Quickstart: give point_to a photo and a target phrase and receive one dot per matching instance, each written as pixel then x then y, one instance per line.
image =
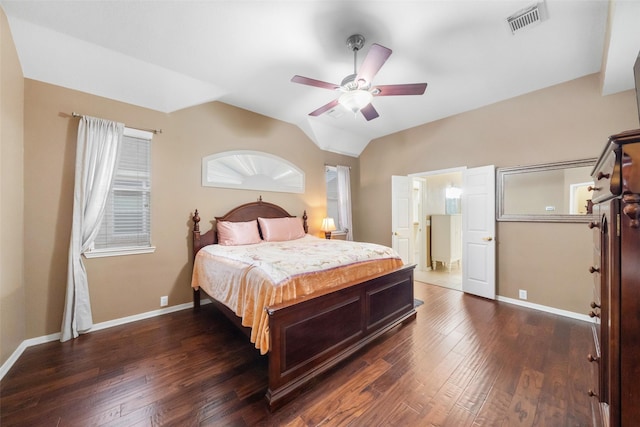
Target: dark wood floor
pixel 465 361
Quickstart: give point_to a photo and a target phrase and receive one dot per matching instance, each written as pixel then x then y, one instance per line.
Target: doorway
pixel 437 227
pixel 409 225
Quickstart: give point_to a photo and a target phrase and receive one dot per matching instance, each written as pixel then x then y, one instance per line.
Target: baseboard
pixel 547 309
pixel 12 359
pixel 141 316
pixel 98 326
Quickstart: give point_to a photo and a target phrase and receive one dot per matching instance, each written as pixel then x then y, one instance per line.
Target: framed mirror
pixel 552 192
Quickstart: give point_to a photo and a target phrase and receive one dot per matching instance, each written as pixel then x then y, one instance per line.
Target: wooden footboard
pixel 312 336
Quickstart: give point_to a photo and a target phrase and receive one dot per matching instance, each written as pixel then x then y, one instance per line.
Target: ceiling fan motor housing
pixel 350 83
pixel 355 42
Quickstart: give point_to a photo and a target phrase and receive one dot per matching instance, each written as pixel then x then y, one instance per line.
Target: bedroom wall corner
pixel 12 294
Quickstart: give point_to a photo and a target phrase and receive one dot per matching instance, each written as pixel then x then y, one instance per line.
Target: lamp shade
pixel 355 100
pixel 328 225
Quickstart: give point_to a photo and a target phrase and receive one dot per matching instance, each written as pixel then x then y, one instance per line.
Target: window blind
pixel 127 219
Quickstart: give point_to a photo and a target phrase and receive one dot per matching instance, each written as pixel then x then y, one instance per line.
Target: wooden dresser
pixel 616 270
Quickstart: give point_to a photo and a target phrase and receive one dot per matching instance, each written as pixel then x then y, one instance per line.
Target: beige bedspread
pixel 251 277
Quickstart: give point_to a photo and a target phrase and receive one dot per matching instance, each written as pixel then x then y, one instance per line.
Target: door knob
pixel 592 358
pixel 487 239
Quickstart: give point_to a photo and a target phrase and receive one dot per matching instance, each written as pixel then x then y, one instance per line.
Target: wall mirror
pixel 553 192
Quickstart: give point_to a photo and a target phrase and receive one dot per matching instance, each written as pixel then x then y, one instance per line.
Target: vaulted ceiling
pixel 170 55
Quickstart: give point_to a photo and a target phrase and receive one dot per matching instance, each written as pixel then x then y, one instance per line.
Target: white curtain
pixel 344 199
pixel 96 157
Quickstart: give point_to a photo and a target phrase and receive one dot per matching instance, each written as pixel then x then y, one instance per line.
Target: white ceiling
pixel 170 55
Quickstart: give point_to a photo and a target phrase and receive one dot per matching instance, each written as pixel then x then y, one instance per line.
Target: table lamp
pixel 328 226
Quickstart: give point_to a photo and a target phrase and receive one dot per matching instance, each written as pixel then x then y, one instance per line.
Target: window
pixel 338 183
pixel 331 177
pixel 126 226
pixel 251 170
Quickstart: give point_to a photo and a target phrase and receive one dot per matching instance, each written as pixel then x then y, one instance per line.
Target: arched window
pixel 251 170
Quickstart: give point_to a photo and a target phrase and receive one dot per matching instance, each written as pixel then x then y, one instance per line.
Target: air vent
pixel 526 18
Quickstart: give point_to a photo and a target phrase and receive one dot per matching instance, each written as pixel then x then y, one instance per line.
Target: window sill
pixel 100 253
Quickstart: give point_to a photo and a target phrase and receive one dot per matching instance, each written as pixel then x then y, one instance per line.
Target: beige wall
pixel 129 285
pixel 12 295
pixel 566 122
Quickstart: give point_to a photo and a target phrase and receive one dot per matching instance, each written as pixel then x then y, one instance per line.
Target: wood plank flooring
pixel 465 361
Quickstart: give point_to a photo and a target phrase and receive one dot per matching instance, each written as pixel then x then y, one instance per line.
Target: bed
pixel 304 332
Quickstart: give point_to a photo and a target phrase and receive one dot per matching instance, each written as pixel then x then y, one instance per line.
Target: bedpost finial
pixel 260 199
pixel 305 225
pixel 196 221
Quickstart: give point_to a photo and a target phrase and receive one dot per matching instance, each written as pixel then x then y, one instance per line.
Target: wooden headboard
pixel 247 212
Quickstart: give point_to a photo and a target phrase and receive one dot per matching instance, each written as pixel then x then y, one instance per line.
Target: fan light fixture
pixel 355 100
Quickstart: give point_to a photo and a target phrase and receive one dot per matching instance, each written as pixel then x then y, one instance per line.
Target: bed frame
pixel 312 335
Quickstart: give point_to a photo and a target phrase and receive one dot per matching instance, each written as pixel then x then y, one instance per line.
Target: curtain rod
pixel 333 166
pixel 154 131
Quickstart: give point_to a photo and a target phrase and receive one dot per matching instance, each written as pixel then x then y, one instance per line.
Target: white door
pixel 479 232
pixel 400 217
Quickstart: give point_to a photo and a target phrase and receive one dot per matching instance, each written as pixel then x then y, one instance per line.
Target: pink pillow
pixel 281 229
pixel 238 233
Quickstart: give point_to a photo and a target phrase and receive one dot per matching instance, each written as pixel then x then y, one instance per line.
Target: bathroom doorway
pixel 437 227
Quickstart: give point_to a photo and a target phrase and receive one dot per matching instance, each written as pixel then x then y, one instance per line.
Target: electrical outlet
pixel 522 294
pixel 164 301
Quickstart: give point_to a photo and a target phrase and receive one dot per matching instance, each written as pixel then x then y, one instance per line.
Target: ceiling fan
pixel 357 90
